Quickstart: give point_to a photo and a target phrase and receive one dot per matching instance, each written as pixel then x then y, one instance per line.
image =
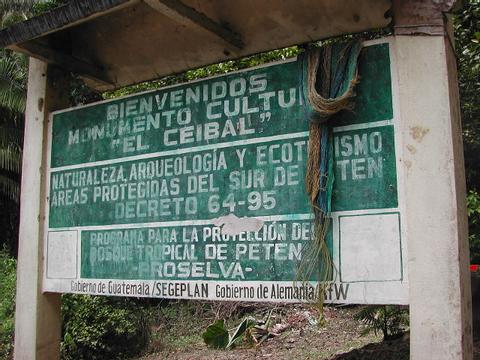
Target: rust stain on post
pixel 411 149
pixel 418 133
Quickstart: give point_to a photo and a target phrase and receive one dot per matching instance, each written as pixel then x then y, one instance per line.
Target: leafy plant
pixel 41 7
pixel 473 211
pixel 390 320
pixel 7 303
pixel 467 35
pixel 216 335
pixel 98 327
pixel 243 331
pixel 250 330
pixel 13 79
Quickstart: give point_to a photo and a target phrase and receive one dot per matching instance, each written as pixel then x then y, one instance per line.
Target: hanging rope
pixel 324 87
pixel 330 75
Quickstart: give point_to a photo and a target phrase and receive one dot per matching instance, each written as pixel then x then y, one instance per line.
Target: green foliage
pixel 390 320
pixel 12 11
pixel 467 34
pixel 13 79
pixel 7 303
pixel 216 335
pixel 170 334
pixel 45 6
pixel 242 331
pixel 13 74
pixel 15 5
pixel 473 211
pixel 98 327
pixel 250 330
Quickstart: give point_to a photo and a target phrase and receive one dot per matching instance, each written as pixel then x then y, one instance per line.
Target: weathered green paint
pixel 365 171
pixel 270 119
pixel 152 253
pixel 370 151
pixel 151 179
pixel 214 190
pixel 373 100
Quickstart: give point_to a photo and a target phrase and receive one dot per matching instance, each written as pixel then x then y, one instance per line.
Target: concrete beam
pixel 37 315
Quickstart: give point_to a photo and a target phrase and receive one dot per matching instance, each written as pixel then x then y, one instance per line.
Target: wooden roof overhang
pixel 114 43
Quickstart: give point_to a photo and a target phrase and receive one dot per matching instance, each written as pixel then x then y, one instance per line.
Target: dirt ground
pixel 338 338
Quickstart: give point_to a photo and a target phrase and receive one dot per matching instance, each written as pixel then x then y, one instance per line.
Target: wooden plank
pixel 67 62
pixel 118 38
pixel 186 15
pixel 167 47
pixel 70 14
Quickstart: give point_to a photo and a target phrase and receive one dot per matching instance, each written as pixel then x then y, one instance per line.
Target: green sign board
pixel 197 190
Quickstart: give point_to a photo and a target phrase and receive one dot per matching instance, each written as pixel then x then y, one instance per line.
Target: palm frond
pixel 12 98
pixel 10 18
pixel 7 6
pixel 10 159
pixel 10 137
pixel 9 188
pixel 367 313
pixel 13 78
pixel 12 84
pixel 391 320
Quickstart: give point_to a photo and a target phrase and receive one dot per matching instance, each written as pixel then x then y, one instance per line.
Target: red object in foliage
pixel 474 268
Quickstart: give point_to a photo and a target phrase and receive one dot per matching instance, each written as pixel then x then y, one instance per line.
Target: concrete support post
pixel 37 315
pixel 439 280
